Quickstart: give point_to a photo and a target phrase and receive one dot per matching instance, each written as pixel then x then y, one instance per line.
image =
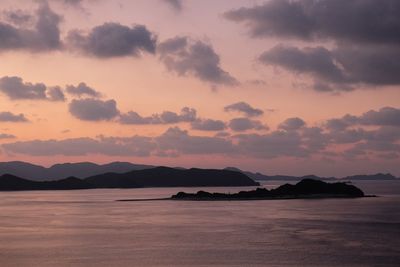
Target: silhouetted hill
pixel 378 176
pixel 155 177
pixel 10 182
pixel 306 188
pixel 262 177
pixel 171 177
pixel 59 171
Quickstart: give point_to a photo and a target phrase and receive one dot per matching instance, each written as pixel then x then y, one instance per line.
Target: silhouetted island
pixel 306 188
pixel 155 177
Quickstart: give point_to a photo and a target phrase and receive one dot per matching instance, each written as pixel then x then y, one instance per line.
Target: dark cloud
pixel 72 2
pixel 16 89
pixel 245 108
pixel 55 94
pixel 44 36
pixel 7 116
pixel 381 140
pixel 114 40
pixel 342 69
pixel 133 146
pixel 171 143
pixel 244 124
pixel 342 123
pixel 82 90
pixel 166 117
pixel 185 56
pixel 179 141
pixel 272 145
pixel 7 136
pixel 18 17
pixel 317 61
pixel 292 124
pixel 366 35
pixel 89 109
pixel 314 138
pixel 386 116
pixel 366 21
pixel 373 65
pixel 175 4
pixel 208 125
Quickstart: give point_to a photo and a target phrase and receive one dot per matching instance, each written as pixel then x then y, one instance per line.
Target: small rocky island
pixel 306 188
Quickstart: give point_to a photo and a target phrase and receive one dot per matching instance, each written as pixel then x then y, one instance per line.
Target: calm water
pixel 89 228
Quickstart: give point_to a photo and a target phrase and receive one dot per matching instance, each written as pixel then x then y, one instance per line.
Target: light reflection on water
pixel 89 228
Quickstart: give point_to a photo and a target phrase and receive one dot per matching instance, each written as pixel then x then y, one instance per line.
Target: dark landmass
pixel 10 182
pixel 155 177
pixel 378 176
pixel 60 171
pixel 171 177
pixel 306 188
pixel 88 169
pixel 262 177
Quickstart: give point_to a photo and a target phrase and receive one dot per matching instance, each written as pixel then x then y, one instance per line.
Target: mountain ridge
pixel 154 177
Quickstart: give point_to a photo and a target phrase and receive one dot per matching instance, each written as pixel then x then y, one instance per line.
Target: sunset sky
pixel 279 86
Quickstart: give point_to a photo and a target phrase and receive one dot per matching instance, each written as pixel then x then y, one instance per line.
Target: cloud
pixel 188 57
pixel 15 89
pixel 166 117
pixel 245 108
pixel 179 141
pixel 364 49
pixel 114 40
pixel 44 36
pixel 354 141
pixel 175 4
pixel 133 146
pixel 272 145
pixel 7 136
pixel 292 124
pixel 89 109
pixel 342 123
pixel 7 116
pixel 82 90
pixel 18 17
pixel 372 65
pixel 352 21
pixel 317 61
pixel 244 124
pixel 208 125
pixel 55 94
pixel 173 141
pixel 342 69
pixel 386 116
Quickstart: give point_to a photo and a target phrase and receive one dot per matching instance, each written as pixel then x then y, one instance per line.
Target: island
pixel 306 188
pixel 154 177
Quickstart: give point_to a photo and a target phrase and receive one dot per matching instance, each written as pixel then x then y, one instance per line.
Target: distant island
pixel 154 177
pixel 262 177
pixel 306 188
pixel 83 170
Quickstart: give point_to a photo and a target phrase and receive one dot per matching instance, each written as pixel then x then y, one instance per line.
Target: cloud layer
pixel 292 139
pixel 366 37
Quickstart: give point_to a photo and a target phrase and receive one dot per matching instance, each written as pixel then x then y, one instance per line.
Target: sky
pixel 279 86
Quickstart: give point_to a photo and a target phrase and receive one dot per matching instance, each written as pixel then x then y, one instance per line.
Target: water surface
pixel 90 228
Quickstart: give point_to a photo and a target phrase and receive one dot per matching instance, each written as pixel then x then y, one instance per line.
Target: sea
pixel 92 228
